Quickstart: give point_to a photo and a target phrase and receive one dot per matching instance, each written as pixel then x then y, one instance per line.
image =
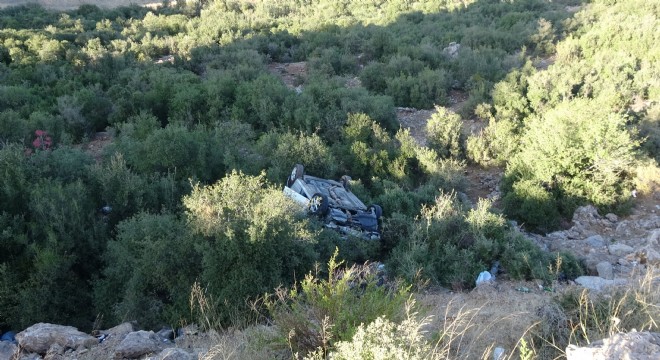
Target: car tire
pixel 318 204
pixel 378 211
pixel 297 173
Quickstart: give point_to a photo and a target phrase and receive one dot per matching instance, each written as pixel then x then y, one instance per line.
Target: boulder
pixel 166 333
pixel 40 337
pixel 7 350
pixel 620 249
pixel 633 345
pixel 605 270
pixel 597 283
pixel 56 352
pixel 452 50
pixel 651 252
pixel 138 343
pixel 595 241
pixel 611 217
pixel 119 330
pixel 585 214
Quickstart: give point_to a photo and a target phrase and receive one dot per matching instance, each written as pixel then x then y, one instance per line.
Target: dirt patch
pixel 415 121
pixel 484 183
pixel 96 146
pixel 292 74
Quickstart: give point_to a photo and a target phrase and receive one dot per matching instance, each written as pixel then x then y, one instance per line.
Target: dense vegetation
pixel 202 144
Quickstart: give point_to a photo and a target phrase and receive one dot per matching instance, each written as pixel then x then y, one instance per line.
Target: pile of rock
pixel 55 342
pixel 611 248
pixel 632 345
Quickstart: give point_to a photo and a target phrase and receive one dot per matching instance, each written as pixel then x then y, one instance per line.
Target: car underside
pixel 334 203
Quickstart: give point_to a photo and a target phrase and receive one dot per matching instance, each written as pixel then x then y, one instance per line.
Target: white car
pixel 334 202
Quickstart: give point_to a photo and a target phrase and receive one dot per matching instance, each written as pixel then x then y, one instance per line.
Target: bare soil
pixel 96 146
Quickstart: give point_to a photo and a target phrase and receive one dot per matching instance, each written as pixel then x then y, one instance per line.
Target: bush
pixel 283 150
pixel 445 134
pixel 255 239
pixel 531 203
pixel 383 338
pixel 451 246
pixel 590 157
pixel 151 265
pixel 326 311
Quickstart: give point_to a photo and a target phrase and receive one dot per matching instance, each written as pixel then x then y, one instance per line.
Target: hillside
pixel 143 151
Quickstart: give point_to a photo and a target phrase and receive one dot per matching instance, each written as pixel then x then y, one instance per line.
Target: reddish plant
pixel 43 141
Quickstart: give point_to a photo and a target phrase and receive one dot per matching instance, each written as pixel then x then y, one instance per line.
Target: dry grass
pixel 471 325
pixel 485 318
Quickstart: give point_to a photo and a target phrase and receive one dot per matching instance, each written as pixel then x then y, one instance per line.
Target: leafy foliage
pixel 252 234
pixel 199 121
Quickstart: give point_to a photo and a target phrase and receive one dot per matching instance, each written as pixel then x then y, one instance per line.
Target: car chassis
pixel 334 203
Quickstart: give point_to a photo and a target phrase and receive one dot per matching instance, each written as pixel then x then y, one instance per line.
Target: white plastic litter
pixel 485 277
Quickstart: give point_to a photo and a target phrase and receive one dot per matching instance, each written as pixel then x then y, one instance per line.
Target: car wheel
pixel 378 211
pixel 318 204
pixel 296 173
pixel 346 182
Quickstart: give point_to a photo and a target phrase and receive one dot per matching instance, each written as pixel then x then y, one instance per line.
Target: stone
pixel 605 270
pixel 597 283
pixel 620 249
pixel 7 350
pixel 632 345
pixel 40 337
pixel 452 50
pixel 611 217
pixel 651 251
pixel 166 333
pixel 29 356
pixel 595 241
pixel 119 330
pixel 585 214
pixel 138 343
pixel 174 354
pixel 56 352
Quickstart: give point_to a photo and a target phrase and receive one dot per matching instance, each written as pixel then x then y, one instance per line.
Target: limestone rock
pixel 119 330
pixel 651 252
pixel 633 345
pixel 40 337
pixel 620 249
pixel 597 283
pixel 138 343
pixel 595 241
pixel 586 214
pixel 174 354
pixel 605 270
pixel 452 50
pixel 611 217
pixel 7 350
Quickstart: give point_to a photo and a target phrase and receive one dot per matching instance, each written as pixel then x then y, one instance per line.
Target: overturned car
pixel 334 203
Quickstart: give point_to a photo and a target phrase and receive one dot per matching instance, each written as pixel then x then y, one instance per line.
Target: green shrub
pixel 323 312
pixel 444 133
pixel 255 239
pixel 283 150
pixel 590 157
pixel 151 265
pixel 383 338
pixel 532 204
pixel 451 246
